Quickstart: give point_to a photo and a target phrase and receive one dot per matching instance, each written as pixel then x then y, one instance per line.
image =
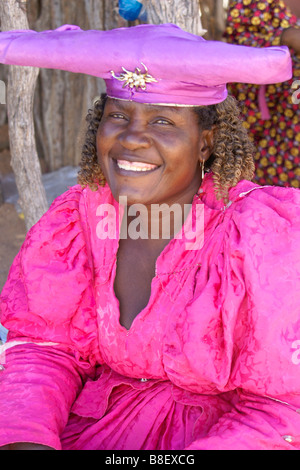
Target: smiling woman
pixel 229 155
pixel 185 341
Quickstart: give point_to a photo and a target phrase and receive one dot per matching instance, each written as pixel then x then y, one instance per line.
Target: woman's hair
pixel 231 159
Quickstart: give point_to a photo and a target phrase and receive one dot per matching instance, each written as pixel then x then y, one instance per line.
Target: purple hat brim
pixel 187 69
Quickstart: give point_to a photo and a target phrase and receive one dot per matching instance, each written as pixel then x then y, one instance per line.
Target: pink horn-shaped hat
pixel 159 64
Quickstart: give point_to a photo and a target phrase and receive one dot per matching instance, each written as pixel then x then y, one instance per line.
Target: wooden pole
pixel 183 13
pixel 20 94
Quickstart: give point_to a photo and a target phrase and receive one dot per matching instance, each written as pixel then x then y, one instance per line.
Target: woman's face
pixel 151 154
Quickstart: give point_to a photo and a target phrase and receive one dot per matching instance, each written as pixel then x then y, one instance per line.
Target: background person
pixel 270 115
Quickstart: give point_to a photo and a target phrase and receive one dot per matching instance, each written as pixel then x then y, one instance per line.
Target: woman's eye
pixel 163 121
pixel 117 116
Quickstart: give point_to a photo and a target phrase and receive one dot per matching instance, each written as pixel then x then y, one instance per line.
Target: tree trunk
pixel 213 15
pixel 3 78
pixel 184 13
pixel 190 15
pixel 20 93
pixel 62 98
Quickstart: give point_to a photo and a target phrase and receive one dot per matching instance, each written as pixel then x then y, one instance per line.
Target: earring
pixel 202 169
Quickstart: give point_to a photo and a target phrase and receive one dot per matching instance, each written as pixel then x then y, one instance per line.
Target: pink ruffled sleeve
pixel 47 305
pixel 259 301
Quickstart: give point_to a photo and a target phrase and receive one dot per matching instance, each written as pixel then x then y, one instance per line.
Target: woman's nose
pixel 134 137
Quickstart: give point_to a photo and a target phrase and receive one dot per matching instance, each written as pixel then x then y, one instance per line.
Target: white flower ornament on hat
pixel 135 79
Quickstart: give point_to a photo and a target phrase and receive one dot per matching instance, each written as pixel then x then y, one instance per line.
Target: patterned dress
pixel 271 113
pixel 211 363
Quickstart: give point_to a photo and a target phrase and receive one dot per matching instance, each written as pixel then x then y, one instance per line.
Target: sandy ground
pixel 12 227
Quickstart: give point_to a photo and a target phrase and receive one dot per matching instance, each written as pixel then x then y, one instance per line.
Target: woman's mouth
pixel 137 167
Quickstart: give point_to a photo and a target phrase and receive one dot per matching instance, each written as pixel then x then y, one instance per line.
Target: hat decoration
pixel 135 79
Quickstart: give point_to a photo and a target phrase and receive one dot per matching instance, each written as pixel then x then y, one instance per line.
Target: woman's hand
pixel 291 38
pixel 25 446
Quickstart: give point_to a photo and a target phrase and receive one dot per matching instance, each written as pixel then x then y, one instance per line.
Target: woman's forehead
pixel 145 108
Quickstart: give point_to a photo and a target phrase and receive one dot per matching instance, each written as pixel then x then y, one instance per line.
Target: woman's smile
pixel 127 167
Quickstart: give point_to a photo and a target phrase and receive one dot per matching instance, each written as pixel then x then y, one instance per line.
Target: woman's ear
pixel 206 144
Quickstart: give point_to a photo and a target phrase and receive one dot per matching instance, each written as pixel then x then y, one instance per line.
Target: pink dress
pixel 212 362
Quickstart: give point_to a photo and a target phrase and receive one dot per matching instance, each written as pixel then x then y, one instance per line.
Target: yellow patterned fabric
pixel 277 134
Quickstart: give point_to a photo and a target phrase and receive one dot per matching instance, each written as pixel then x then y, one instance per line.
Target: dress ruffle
pixel 49 293
pixel 132 414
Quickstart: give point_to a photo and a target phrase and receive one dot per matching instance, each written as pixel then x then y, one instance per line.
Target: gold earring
pixel 202 169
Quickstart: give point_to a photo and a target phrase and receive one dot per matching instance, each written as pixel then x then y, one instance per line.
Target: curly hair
pixel 231 160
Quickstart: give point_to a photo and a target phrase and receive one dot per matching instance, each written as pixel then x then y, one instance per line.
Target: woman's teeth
pixel 135 166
